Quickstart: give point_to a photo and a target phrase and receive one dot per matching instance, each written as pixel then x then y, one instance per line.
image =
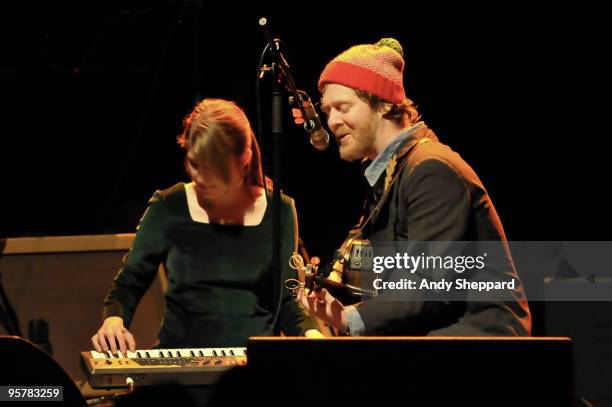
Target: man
pixel 428 193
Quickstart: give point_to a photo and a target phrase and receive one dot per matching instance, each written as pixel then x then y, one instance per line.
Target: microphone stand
pixel 277 139
pixel 282 73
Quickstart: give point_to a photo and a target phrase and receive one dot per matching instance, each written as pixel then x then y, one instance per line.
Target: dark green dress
pixel 220 283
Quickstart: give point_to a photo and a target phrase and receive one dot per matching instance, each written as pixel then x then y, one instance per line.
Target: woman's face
pixel 209 184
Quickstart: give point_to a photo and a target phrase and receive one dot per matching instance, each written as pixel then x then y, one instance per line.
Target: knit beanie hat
pixel 373 68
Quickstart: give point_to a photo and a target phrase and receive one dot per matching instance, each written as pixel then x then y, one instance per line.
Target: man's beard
pixel 362 141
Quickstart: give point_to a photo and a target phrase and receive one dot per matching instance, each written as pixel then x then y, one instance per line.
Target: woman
pixel 214 237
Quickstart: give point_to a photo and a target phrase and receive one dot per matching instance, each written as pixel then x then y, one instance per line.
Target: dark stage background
pixel 93 95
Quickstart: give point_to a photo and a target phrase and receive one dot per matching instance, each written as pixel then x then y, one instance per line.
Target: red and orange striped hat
pixel 373 68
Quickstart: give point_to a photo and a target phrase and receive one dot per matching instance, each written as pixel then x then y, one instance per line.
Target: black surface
pixel 25 364
pixel 405 371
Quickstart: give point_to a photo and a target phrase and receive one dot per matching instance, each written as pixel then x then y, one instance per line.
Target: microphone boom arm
pixel 298 97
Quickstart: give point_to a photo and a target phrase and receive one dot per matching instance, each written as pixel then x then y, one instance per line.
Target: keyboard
pixel 189 366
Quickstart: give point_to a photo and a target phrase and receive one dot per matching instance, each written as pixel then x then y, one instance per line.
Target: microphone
pixel 319 138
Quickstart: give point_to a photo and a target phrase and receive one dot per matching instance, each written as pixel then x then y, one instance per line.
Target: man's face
pixel 352 121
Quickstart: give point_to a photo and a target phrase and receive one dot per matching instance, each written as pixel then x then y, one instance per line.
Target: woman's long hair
pixel 217 129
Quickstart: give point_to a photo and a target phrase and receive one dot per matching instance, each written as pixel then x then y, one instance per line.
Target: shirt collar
pixel 379 164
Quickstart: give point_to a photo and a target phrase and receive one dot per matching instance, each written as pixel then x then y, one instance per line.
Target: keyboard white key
pixel 97 355
pixel 152 353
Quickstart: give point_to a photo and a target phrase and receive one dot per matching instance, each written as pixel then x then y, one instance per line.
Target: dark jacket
pixel 439 197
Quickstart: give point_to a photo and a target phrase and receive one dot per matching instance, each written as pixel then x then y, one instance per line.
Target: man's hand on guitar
pixel 322 305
